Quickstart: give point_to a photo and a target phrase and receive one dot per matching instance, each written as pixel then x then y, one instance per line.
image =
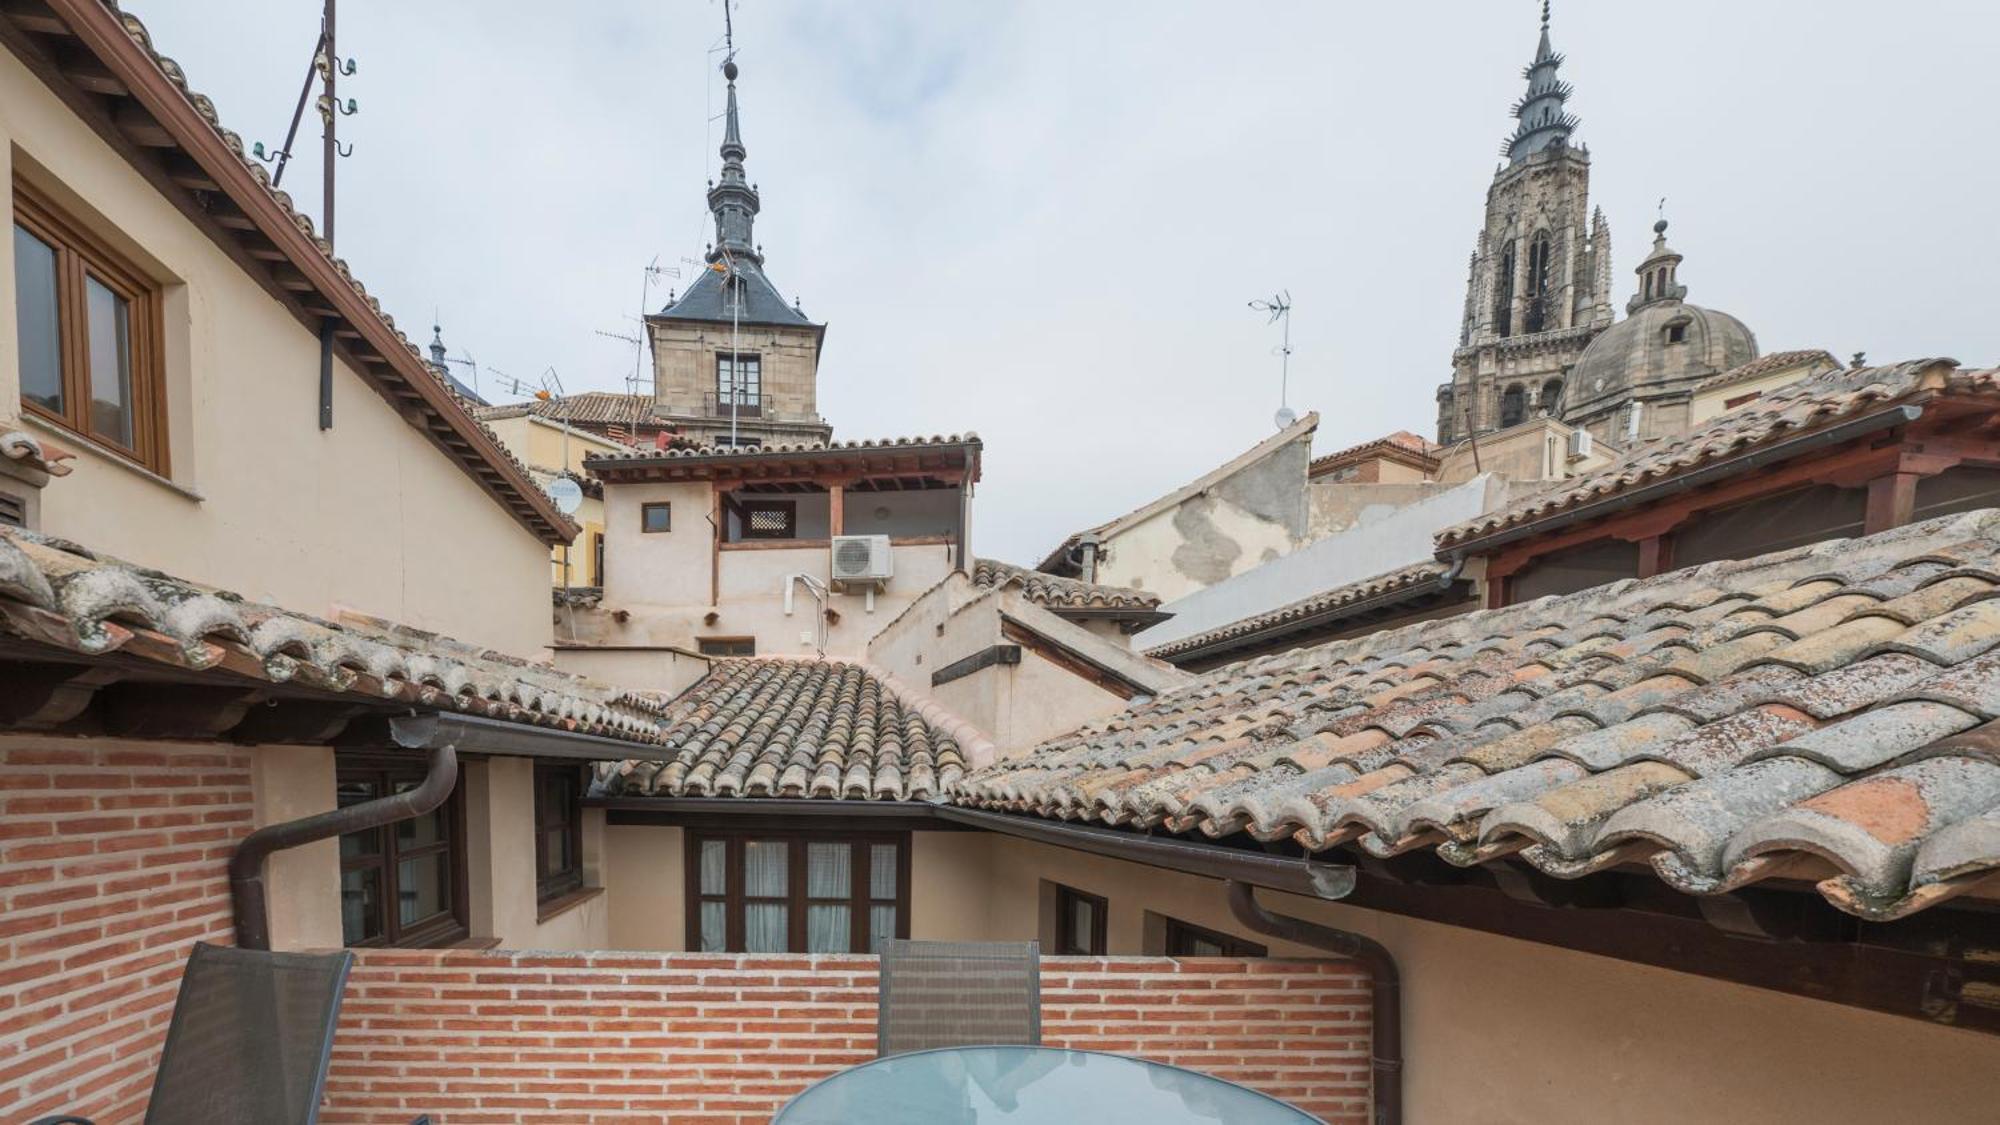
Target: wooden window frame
pixel 597 559
pixel 442 929
pixel 748 508
pixel 648 508
pixel 1178 933
pixel 551 886
pixel 81 255
pixel 858 901
pixel 703 644
pixel 1095 943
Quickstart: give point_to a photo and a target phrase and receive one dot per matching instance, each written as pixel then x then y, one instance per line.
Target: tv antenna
pixel 327 66
pixel 1279 309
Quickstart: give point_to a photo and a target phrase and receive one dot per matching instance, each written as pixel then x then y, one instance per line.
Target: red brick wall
pixel 112 864
pixel 492 1038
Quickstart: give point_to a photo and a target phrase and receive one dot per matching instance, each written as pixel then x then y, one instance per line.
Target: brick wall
pixel 490 1038
pixel 112 864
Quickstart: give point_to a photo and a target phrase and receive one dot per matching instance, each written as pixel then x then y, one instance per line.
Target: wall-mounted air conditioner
pixel 1579 444
pixel 861 560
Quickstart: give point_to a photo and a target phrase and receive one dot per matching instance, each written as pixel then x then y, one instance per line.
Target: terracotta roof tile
pixel 1059 593
pixel 29 450
pixel 792 728
pixel 1810 404
pixel 1832 705
pixel 586 408
pixel 59 594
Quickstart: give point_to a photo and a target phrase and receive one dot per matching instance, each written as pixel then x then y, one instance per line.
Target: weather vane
pixel 1279 308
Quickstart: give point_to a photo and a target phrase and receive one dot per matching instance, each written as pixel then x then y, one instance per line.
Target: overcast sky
pixel 1042 221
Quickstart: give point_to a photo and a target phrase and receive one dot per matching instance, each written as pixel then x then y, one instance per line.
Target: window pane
pixel 829 871
pixel 714 867
pixel 426 829
pixel 1082 925
pixel 35 311
pixel 423 886
pixel 555 851
pixel 350 792
pixel 656 517
pixel 714 927
pixel 110 363
pixel 881 924
pixel 360 904
pixel 882 871
pixel 827 928
pixel 764 927
pixel 764 868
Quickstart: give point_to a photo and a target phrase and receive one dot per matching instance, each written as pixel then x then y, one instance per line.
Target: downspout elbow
pixel 246 866
pixel 1386 986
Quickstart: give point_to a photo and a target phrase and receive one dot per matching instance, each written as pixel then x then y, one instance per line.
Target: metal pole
pixel 298 112
pixel 735 355
pixel 329 152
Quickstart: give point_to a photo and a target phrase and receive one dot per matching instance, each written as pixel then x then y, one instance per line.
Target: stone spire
pixel 733 200
pixel 1543 120
pixel 437 348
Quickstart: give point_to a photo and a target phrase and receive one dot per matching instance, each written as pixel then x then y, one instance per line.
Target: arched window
pixel 1552 392
pixel 1503 294
pixel 1513 406
pixel 1536 317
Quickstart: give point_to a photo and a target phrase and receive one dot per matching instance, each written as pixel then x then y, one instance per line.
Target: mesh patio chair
pixel 958 994
pixel 250 1040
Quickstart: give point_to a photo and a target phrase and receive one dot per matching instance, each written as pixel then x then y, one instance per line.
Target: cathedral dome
pixel 1665 346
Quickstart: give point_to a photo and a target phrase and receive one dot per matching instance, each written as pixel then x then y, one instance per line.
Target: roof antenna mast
pixel 1279 307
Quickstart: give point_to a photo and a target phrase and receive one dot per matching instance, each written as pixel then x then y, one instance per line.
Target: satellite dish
pixel 1285 416
pixel 567 494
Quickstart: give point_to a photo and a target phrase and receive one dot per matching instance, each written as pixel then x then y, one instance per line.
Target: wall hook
pixel 257 150
pixel 343 149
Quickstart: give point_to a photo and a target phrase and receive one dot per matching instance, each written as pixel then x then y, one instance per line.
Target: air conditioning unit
pixel 1579 444
pixel 861 560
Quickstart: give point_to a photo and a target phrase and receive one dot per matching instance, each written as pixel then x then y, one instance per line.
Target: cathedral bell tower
pixel 1539 286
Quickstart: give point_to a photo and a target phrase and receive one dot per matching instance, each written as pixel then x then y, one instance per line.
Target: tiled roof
pixel 1302 428
pixel 586 408
pixel 1829 713
pixel 29 450
pixel 59 594
pixel 464 438
pixel 1403 442
pixel 764 727
pixel 1422 576
pixel 1766 364
pixel 1060 593
pixel 1808 405
pixel 745 452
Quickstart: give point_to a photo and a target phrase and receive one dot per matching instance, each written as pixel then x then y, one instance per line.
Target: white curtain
pixel 766 925
pixel 829 874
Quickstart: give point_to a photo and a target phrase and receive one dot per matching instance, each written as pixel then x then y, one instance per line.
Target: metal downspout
pixel 1387 987
pixel 246 867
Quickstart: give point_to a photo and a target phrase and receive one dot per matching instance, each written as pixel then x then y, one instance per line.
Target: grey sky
pixel 1042 221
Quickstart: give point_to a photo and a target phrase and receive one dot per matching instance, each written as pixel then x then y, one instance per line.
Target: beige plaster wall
pixel 302 885
pixel 547 451
pixel 1535 450
pixel 1500 1030
pixel 368 515
pixel 1707 404
pixel 638 669
pixel 1016 705
pixel 1339 505
pixel 500 863
pixel 645 883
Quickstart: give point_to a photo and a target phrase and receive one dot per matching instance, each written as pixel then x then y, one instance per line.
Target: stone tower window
pixel 1503 300
pixel 1551 395
pixel 1538 283
pixel 1513 406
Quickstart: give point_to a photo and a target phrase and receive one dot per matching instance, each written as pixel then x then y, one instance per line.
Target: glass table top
pixel 977 1085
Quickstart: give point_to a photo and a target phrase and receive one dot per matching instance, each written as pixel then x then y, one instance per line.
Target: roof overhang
pixel 96 61
pixel 944 461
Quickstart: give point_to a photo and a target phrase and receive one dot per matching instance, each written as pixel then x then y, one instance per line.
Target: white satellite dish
pixel 567 494
pixel 1284 417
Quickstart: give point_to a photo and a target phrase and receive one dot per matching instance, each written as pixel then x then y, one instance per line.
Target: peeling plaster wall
pixel 1257 514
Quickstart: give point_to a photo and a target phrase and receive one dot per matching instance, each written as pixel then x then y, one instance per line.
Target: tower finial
pixel 1544 122
pixel 731 197
pixel 1545 15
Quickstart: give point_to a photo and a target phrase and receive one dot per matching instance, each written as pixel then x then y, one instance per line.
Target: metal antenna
pixel 1279 307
